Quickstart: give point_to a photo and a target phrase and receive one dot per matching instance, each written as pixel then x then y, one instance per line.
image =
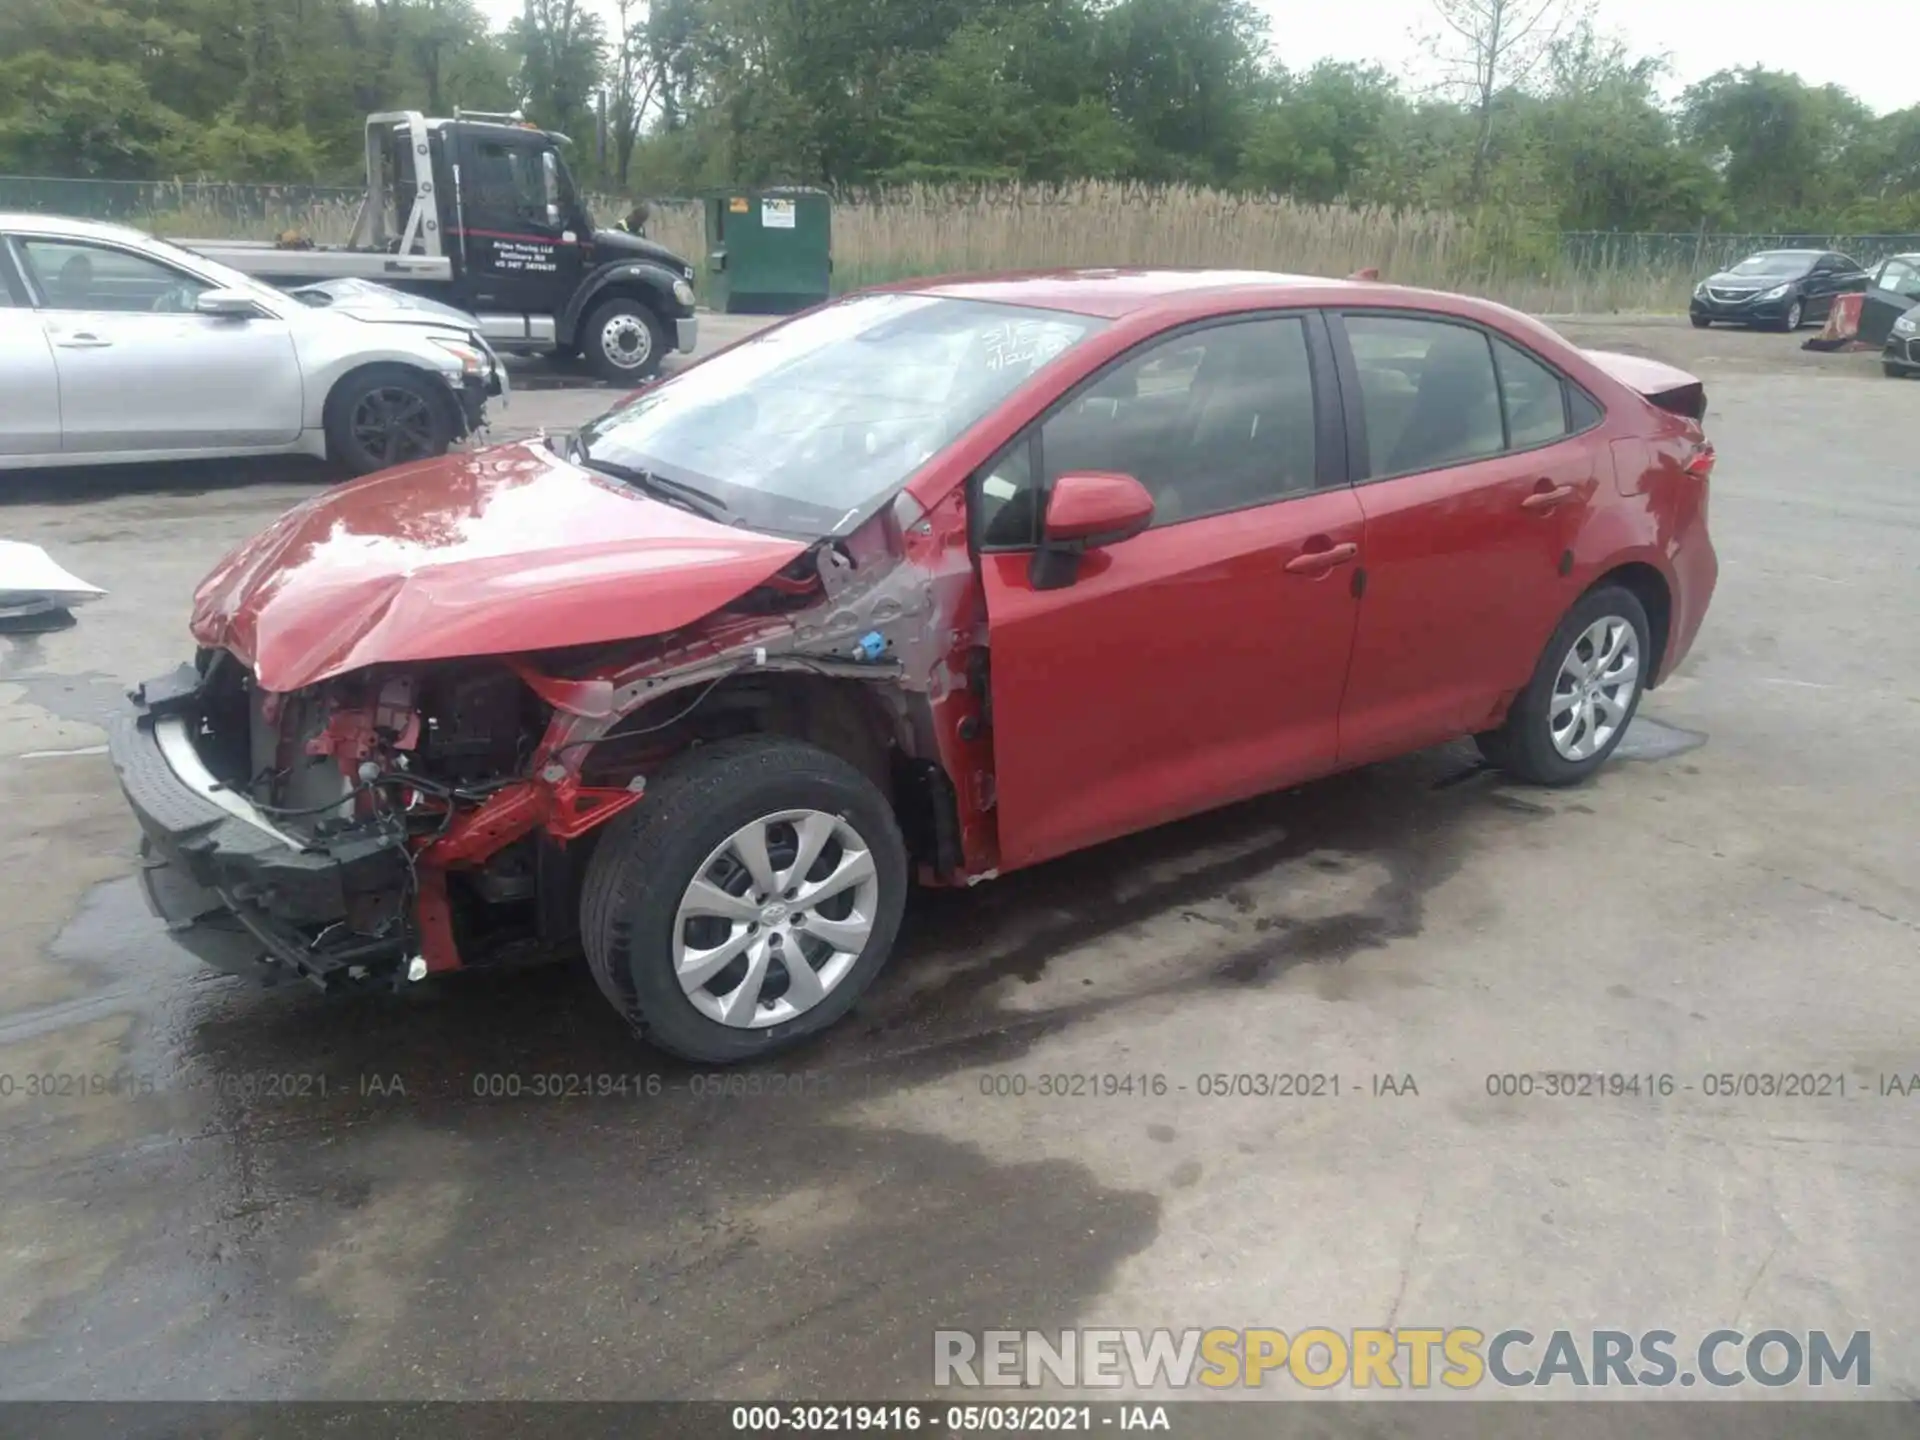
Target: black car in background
pixel 1779 289
pixel 1892 309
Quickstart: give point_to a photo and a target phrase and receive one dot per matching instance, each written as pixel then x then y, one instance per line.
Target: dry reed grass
pixel 894 234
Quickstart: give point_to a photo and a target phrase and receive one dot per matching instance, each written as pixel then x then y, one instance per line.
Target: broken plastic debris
pixel 35 593
pixel 871 646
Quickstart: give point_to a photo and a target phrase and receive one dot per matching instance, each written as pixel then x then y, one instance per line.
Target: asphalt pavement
pixel 286 1196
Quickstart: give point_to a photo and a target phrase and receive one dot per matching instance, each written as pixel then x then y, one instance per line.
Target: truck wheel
pixel 624 340
pixel 387 415
pixel 1583 694
pixel 745 904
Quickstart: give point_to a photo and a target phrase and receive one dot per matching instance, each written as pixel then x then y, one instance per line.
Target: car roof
pixel 1758 253
pixel 26 222
pixel 1114 293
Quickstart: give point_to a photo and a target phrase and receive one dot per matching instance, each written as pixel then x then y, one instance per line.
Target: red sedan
pixel 937 580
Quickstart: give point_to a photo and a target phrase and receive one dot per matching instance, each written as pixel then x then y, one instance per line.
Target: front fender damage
pixel 893 610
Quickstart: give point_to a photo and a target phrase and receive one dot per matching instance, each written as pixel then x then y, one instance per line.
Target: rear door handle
pixel 1547 499
pixel 82 340
pixel 1318 562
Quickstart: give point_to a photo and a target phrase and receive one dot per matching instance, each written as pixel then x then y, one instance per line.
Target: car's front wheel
pixel 388 415
pixel 747 901
pixel 1583 693
pixel 1701 322
pixel 1796 312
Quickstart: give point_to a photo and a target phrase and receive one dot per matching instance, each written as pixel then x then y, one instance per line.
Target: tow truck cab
pixel 480 211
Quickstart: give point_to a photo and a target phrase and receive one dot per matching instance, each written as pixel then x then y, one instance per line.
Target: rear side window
pixel 1535 398
pixel 1429 396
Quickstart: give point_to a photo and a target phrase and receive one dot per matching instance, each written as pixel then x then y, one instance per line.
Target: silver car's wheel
pixel 1796 312
pixel 775 918
pixel 1593 693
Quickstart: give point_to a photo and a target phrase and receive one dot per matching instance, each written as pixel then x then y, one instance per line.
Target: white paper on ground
pixel 30 581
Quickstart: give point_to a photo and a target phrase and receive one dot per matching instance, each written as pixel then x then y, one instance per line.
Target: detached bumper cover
pixel 228 882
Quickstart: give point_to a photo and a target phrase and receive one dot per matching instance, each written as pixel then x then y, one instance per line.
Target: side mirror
pixel 1087 510
pixel 226 304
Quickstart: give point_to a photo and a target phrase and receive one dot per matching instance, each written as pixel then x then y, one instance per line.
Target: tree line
pixel 1539 113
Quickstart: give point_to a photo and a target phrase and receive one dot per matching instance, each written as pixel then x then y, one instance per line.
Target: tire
pixel 1894 372
pixel 624 341
pixel 645 864
pixel 1700 322
pixel 1796 313
pixel 1525 747
pixel 418 423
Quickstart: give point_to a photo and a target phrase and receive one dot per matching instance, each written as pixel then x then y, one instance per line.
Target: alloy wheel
pixel 775 918
pixel 1594 690
pixel 393 424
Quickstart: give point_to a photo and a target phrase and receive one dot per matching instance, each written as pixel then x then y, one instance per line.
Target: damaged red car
pixel 928 583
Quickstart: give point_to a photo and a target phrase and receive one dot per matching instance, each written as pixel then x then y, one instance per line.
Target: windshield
pixel 1777 262
pixel 1900 275
pixel 806 429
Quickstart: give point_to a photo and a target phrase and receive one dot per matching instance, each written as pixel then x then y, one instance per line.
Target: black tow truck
pixel 480 212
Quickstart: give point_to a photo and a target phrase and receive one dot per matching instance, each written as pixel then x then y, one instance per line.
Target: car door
pixel 29 389
pixel 1202 660
pixel 1848 274
pixel 521 257
pixel 1820 287
pixel 1475 484
pixel 138 370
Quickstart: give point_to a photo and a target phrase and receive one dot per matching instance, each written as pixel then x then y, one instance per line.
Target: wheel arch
pixel 436 383
pixel 1647 585
pixel 646 284
pixel 881 730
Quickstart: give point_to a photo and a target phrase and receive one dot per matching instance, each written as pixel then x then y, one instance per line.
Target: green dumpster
pixel 768 251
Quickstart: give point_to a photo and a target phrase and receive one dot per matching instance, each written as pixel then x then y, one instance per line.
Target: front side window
pixel 1429 396
pixel 508 181
pixel 807 428
pixel 74 275
pixel 1209 421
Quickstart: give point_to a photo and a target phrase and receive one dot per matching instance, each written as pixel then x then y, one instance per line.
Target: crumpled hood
pixel 366 300
pixel 496 553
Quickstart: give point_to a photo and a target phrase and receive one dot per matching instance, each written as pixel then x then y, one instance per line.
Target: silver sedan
pixel 115 346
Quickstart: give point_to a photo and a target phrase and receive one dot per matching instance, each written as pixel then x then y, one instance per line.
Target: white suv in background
pixel 115 346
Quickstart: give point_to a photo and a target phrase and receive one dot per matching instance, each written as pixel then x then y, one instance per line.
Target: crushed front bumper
pixel 235 888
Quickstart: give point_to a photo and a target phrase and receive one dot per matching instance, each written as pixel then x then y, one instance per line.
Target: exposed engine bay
pixel 478 784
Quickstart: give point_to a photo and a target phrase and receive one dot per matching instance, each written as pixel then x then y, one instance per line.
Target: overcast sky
pixel 1865 45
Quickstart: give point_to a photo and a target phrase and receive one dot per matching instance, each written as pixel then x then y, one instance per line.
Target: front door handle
pixel 1547 499
pixel 82 340
pixel 1319 562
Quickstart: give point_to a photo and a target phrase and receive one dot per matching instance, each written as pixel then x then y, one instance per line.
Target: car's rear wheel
pixel 1583 694
pixel 746 903
pixel 624 341
pixel 388 415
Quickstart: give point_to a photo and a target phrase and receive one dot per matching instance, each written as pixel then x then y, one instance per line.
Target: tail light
pixel 1700 463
